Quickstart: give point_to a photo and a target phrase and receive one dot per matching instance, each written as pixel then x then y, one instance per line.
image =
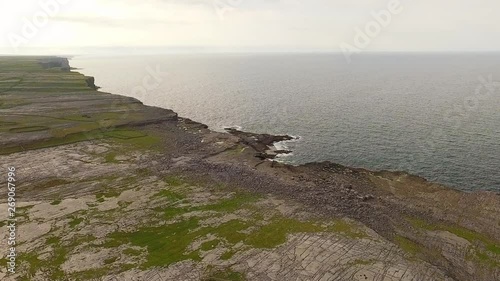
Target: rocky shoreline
pixel 262 143
pixel 71 143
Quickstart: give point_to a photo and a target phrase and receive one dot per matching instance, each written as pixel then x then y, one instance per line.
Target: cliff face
pixel 52 62
pixel 91 82
pixel 110 188
pixel 68 111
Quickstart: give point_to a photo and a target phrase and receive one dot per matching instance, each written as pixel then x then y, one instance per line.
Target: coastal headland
pixel 107 188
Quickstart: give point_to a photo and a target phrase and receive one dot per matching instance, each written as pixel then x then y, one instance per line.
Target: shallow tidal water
pixel 433 115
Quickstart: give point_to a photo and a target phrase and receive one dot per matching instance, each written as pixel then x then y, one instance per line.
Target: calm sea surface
pixel 434 115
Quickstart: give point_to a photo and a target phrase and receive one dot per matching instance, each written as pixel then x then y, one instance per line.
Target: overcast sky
pixel 263 25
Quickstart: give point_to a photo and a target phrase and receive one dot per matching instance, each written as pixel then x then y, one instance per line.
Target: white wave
pixel 285 145
pixel 236 127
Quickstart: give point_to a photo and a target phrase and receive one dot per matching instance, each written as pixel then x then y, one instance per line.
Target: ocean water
pixel 433 115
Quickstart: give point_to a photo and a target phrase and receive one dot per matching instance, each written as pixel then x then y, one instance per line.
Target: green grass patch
pixel 227 255
pixel 144 172
pixel 28 129
pixel 168 244
pixel 467 234
pixel 209 245
pixel 51 183
pixel 22 212
pixel 75 221
pixel 363 262
pixel 223 275
pixel 6 124
pixel 408 246
pixel 24 209
pixel 170 195
pixel 347 229
pixel 59 257
pixel 483 258
pixel 239 149
pixel 33 265
pixel 135 138
pixel 100 117
pixel 165 245
pixel 110 260
pixel 132 252
pixel 12 103
pixel 493 248
pixel 126 134
pixel 52 265
pixel 56 141
pixel 230 231
pixel 238 201
pixel 110 193
pixel 171 212
pixel 53 240
pixel 111 157
pixel 89 131
pixel 173 180
pixel 56 202
pixel 275 233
